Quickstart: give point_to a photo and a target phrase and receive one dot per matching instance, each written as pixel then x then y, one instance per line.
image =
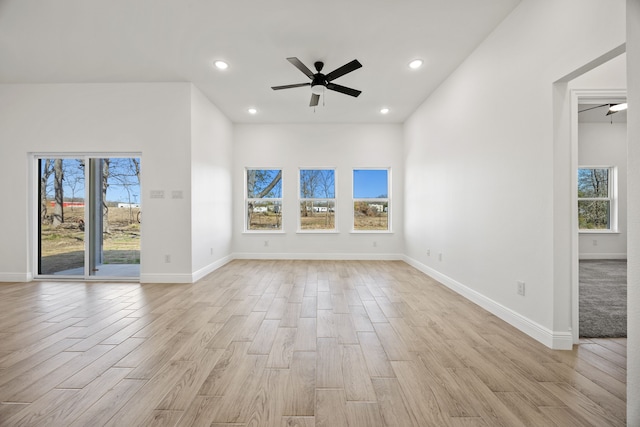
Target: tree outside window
pixel 317 199
pixel 371 202
pixel 263 199
pixel 595 198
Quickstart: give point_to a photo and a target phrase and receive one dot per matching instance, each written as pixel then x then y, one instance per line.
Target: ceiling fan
pixel 613 108
pixel 319 82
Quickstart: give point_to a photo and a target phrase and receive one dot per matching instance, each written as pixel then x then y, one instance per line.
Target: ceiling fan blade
pixel 343 89
pixel 290 86
pixel 300 66
pixel 314 100
pixel 341 71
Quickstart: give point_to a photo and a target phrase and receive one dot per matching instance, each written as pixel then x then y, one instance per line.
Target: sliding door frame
pixel 91 212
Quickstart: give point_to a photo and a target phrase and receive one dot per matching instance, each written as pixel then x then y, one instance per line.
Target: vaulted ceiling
pixel 82 41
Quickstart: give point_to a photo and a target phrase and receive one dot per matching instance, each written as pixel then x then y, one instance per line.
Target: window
pixel 596 201
pixel 317 199
pixel 264 199
pixel 371 199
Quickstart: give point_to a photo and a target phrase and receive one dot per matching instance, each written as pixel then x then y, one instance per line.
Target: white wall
pixel 633 263
pixel 343 147
pixel 211 196
pixel 480 164
pixel 151 119
pixel 605 144
pixel 610 75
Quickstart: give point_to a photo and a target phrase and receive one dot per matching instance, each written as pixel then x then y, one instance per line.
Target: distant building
pixel 68 204
pixel 128 205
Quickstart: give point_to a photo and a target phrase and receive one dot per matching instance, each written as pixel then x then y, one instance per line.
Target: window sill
pixel 598 232
pixel 317 232
pixel 371 232
pixel 264 232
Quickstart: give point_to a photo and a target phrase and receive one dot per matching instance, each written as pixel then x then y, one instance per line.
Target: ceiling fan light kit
pixel 614 108
pixel 317 89
pixel 320 82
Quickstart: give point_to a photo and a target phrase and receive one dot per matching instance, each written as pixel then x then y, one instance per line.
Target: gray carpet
pixel 603 298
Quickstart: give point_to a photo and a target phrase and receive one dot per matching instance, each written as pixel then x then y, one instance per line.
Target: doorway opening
pixel 599 232
pixel 602 217
pixel 88 217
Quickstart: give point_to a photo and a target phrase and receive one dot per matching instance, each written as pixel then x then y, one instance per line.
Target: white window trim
pixel 333 230
pixel 248 199
pixel 613 201
pixel 389 229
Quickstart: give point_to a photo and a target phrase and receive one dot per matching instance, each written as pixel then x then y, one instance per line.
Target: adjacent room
pixel 367 213
pixel 602 200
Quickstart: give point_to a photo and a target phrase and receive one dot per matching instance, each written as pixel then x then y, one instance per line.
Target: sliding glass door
pixel 62 216
pixel 89 217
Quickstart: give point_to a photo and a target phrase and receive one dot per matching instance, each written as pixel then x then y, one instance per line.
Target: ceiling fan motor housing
pixel 318 83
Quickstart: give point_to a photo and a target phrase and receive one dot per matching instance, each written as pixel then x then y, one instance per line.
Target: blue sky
pixel 370 183
pixel 118 193
pixel 123 185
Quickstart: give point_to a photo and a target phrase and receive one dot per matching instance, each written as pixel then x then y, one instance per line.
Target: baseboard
pixel 199 274
pixel 602 256
pixel 319 256
pixel 552 339
pixel 16 277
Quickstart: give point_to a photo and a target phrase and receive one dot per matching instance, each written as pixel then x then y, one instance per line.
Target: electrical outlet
pixel 595 242
pixel 167 258
pixel 266 243
pixel 375 244
pixel 520 287
pixel 440 257
pixel 428 252
pixel 210 251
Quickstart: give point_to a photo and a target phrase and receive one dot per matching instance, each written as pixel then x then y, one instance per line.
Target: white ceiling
pixel 76 41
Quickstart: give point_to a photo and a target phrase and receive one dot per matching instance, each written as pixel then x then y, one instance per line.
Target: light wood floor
pixel 289 343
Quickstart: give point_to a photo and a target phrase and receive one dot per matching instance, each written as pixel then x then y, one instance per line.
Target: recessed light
pixel 416 63
pixel 252 111
pixel 384 110
pixel 221 65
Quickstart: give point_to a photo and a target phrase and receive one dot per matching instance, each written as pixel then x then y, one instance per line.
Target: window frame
pixel 329 200
pixel 275 200
pixel 612 193
pixel 387 200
